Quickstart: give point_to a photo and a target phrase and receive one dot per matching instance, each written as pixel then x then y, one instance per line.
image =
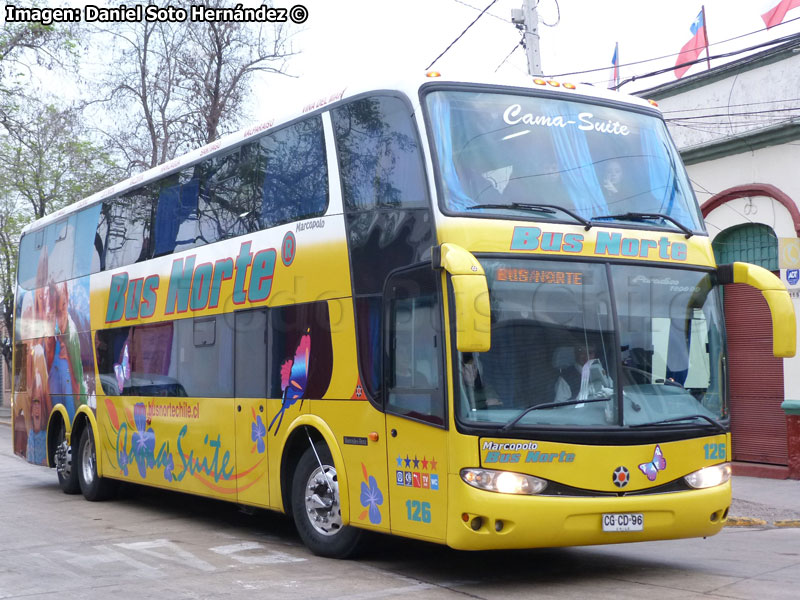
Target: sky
pixel 344 38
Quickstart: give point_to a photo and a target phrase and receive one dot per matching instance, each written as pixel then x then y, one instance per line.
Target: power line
pixel 498 17
pixel 788 38
pixel 492 3
pixel 514 49
pixel 760 103
pixel 639 62
pixel 735 114
pixel 558 17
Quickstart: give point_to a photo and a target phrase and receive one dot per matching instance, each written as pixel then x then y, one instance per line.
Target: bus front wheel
pixel 94 488
pixel 317 509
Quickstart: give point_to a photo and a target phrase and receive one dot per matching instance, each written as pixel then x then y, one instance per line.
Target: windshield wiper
pixel 519 417
pixel 637 216
pixel 713 422
pixel 549 209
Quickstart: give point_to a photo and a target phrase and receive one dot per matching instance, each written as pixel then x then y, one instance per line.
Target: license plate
pixel 623 522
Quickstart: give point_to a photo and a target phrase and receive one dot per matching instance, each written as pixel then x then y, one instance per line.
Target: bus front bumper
pixel 481 520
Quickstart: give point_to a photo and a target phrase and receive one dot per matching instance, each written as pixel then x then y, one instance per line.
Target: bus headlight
pixel 710 476
pixel 503 482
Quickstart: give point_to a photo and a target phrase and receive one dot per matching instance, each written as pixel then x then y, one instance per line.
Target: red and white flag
pixel 776 15
pixel 694 47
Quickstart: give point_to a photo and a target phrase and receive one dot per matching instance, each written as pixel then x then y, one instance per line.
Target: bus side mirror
pixel 473 328
pixel 784 327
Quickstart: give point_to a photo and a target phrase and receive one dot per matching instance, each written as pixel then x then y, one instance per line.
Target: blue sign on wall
pixel 792 276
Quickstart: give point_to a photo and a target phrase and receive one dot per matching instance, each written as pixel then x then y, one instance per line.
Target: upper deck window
pixel 379 155
pixel 496 151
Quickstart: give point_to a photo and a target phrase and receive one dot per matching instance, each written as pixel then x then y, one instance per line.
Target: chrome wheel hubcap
pixel 87 461
pixel 64 459
pixel 322 501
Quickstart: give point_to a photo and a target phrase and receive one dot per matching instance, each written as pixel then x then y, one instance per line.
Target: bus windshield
pixel 596 345
pixel 512 155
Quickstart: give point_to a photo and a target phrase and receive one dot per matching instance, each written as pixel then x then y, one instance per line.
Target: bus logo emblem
pixel 621 477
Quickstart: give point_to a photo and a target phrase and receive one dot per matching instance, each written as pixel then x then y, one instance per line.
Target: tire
pixel 317 509
pixel 93 487
pixel 65 467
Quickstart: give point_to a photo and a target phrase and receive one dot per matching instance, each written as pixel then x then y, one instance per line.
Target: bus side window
pixel 300 351
pixel 124 228
pixel 60 242
pixel 176 224
pixel 87 258
pixel 250 353
pixel 379 155
pixel 205 356
pixel 30 249
pixel 226 206
pixel 414 347
pixel 295 173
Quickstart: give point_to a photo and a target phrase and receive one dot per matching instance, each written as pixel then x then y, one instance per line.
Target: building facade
pixel 738 129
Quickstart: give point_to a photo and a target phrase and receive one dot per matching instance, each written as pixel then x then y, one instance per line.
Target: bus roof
pixel 408 85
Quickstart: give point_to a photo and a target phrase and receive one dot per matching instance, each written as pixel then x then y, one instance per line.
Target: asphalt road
pixel 150 543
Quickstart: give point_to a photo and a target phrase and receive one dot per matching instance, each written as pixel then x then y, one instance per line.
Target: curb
pixel 751 522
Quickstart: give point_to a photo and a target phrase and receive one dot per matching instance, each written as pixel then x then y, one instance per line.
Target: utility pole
pixel 527 21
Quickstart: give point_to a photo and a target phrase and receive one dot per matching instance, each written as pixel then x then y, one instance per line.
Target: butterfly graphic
pixel 659 463
pixel 122 370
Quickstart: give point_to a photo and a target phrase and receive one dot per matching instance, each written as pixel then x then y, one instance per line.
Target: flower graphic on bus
pixel 143 440
pixel 294 378
pixel 371 497
pixel 257 433
pixel 169 465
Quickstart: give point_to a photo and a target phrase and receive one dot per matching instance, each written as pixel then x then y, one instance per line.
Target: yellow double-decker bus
pixel 481 314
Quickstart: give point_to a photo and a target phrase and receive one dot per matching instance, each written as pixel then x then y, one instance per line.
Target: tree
pixel 217 66
pixel 23 46
pixel 46 162
pixel 175 86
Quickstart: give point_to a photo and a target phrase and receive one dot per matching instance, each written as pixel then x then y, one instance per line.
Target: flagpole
pixel 616 67
pixel 705 32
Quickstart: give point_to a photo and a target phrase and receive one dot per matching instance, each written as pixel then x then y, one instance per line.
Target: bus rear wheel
pixel 317 508
pixel 93 487
pixel 65 467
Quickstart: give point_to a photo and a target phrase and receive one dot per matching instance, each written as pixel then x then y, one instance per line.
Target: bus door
pixel 415 405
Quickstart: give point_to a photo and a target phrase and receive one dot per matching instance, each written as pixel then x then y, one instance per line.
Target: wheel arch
pixel 293 448
pixel 86 418
pixel 58 416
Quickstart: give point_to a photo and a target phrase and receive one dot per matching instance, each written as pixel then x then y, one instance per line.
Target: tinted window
pixel 228 200
pixel 251 354
pixel 30 255
pixel 190 357
pixel 295 173
pixel 124 228
pixel 301 352
pixel 414 347
pixel 87 246
pixel 176 226
pixel 379 155
pixel 60 241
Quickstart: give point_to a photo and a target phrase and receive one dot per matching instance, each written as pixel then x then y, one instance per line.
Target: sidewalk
pixel 760 502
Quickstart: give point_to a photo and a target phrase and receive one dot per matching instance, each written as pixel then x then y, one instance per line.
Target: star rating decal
pixel 421 477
